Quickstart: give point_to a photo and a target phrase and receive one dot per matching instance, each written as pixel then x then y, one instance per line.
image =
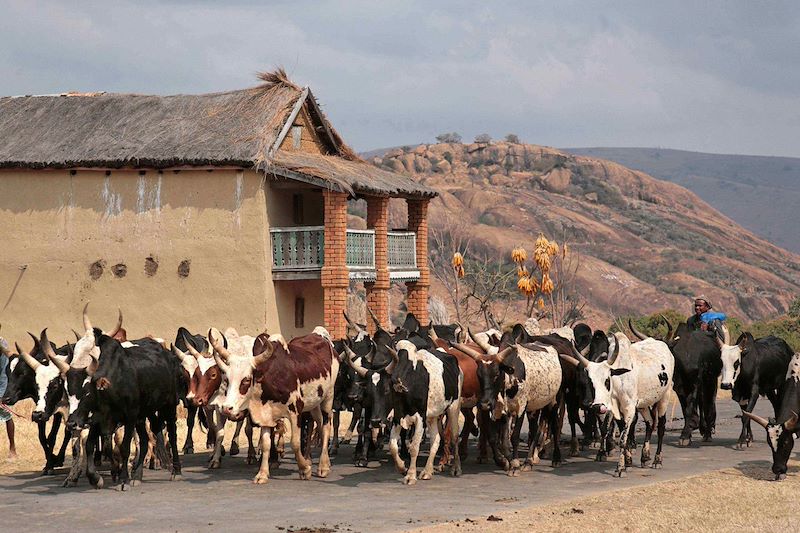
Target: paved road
pixel 357 499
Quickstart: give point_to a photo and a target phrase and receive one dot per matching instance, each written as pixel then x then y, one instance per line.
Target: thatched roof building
pixel 237 128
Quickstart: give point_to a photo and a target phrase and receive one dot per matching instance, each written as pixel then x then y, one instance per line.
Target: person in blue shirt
pixel 5 416
pixel 705 319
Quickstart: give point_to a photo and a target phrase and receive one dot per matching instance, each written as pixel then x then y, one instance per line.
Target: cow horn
pixel 62 365
pixel 613 357
pixel 480 342
pixel 569 359
pixel 791 424
pixel 218 348
pixel 586 350
pixel 580 356
pixel 77 335
pixel 462 333
pixel 501 356
pixel 350 355
pixel 432 332
pixel 635 331
pixel 352 324
pixel 670 332
pixel 87 324
pixel 189 347
pixel 33 363
pixel 726 334
pixel 44 344
pixel 763 422
pixel 178 353
pixel 374 318
pixel 264 355
pixel 119 324
pixel 392 352
pixel 468 351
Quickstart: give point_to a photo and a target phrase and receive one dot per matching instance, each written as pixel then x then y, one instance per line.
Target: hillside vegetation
pixel 760 193
pixel 644 244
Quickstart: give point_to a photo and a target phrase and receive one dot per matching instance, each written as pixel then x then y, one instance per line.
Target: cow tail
pixel 201 417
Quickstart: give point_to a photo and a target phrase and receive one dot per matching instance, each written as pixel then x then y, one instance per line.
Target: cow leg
pixel 606 434
pixel 413 449
pixel 262 476
pixel 303 464
pixel 483 437
pixel 234 450
pixel 623 446
pixel 647 416
pixel 466 431
pixel 335 431
pixel 353 423
pixel 142 450
pixel 218 421
pixel 746 437
pixel 691 417
pixel 95 479
pixel 556 419
pixel 708 407
pixel 394 448
pixel 359 459
pixel 533 441
pixel 188 445
pixel 46 447
pixel 251 450
pixel 125 452
pixel 78 458
pixel 434 424
pixel 448 437
pixel 172 435
pixel 322 417
pixel 574 419
pixel 514 441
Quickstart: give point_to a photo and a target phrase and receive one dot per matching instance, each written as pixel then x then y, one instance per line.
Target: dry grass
pixel 726 500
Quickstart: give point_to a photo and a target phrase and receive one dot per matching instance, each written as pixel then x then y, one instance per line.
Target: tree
pixel 483 138
pixel 451 137
pixel 512 138
pixel 794 308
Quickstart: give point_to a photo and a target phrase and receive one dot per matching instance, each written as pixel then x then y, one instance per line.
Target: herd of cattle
pixel 402 385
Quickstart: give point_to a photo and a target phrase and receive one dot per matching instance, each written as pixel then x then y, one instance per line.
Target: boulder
pixel 557 180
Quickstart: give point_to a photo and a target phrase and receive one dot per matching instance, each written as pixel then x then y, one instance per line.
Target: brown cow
pixel 282 381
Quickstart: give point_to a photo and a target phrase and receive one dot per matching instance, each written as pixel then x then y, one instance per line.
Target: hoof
pixel 188 451
pixel 135 482
pixel 527 467
pixel 707 437
pixel 426 475
pixel 333 452
pixel 409 480
pixel 251 458
pixel 323 473
pixel 214 464
pixel 685 443
pixel 69 483
pixel 234 449
pixel 120 487
pixel 620 473
pixel 780 477
pixel 555 464
pixel 305 473
pixel 176 477
pixel 600 457
pixel 260 479
pixel 457 471
pixel 363 463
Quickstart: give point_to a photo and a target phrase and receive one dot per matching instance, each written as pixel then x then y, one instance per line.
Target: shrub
pixel 483 138
pixel 512 138
pixel 451 137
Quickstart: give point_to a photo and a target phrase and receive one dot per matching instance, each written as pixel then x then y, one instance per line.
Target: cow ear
pixel 619 371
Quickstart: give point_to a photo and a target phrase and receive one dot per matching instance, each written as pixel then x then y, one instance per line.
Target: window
pixel 297 209
pixel 300 312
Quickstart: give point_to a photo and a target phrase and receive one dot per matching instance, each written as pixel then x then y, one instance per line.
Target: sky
pixel 706 76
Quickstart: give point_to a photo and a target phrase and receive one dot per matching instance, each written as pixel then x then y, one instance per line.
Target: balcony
pixel 298 253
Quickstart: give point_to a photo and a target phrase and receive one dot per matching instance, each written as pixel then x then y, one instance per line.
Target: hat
pixel 703 298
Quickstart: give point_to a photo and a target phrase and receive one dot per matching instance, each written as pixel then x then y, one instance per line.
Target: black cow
pixel 200 344
pixel 697 368
pixel 753 368
pixel 127 388
pixel 782 430
pixel 22 385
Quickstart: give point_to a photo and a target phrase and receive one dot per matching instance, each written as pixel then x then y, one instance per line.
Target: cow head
pixel 21 379
pixel 237 362
pixel 48 377
pixel 597 350
pixel 374 383
pixel 732 358
pixel 780 438
pixel 495 377
pixel 601 374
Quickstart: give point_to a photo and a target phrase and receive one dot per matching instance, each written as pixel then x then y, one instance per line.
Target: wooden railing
pixel 300 249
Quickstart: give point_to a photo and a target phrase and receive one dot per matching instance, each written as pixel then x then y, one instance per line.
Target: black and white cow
pixel 424 387
pixel 753 368
pixel 784 428
pixel 635 378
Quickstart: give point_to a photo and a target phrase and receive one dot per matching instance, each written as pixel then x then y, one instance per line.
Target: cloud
pixel 717 77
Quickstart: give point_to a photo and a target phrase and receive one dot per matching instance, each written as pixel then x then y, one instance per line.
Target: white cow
pixel 636 377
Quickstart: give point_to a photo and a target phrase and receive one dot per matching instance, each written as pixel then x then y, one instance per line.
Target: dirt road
pixel 357 499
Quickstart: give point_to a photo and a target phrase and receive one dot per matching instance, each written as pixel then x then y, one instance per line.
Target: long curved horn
pixel 194 353
pixel 462 333
pixel 791 424
pixel 44 344
pixel 374 318
pixel 580 357
pixel 33 363
pixel 571 360
pixel 501 356
pixel 119 324
pixel 726 334
pixel 178 353
pixel 77 335
pixel 670 331
pixel 350 355
pixel 613 356
pixel 432 332
pixel 87 324
pixel 485 346
pixel 218 348
pixel 392 352
pixel 468 351
pixel 352 324
pixel 763 422
pixel 264 355
pixel 635 331
pixel 586 350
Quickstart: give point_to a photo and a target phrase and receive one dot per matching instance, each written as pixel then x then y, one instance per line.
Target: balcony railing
pixel 301 249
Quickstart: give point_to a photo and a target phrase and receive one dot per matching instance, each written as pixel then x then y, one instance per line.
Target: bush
pixel 451 137
pixel 512 138
pixel 794 308
pixel 483 138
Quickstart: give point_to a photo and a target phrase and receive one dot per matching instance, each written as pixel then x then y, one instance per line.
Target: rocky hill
pixel 644 244
pixel 771 185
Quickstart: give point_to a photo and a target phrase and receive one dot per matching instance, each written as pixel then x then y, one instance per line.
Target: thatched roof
pixel 236 128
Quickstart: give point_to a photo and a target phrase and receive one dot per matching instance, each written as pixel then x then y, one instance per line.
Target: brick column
pixel 378 291
pixel 335 275
pixel 417 298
